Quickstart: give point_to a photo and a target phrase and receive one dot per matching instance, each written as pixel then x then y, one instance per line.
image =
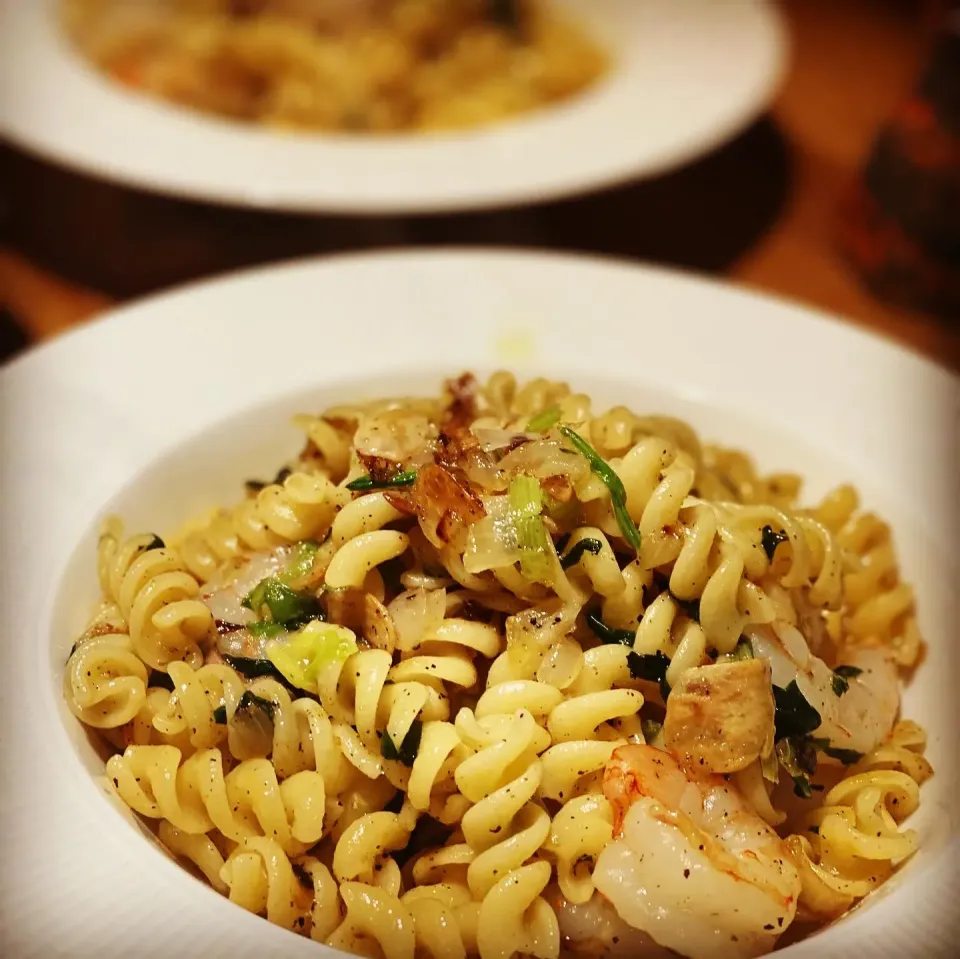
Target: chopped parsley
pixel 592 546
pixel 408 749
pixel 607 634
pixel 793 715
pixel 770 540
pixel 652 667
pixel 841 677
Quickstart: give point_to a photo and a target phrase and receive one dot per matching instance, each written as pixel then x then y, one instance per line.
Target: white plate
pixel 688 74
pixel 165 406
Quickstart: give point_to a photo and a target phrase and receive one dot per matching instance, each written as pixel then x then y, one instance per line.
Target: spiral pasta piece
pixel 853 842
pixel 156 597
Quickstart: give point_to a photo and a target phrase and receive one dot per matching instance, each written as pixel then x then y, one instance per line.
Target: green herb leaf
pixel 801 787
pixel 155 543
pixel 160 680
pixel 848 672
pixel 770 540
pixel 744 649
pixel 799 758
pixel 592 546
pixel 254 486
pixel 544 420
pixel 793 715
pixel 841 676
pixel 409 748
pixel 251 701
pixel 846 756
pixel 220 715
pixel 284 606
pixel 607 634
pixel 255 668
pixel 618 495
pixel 652 667
pixel 363 483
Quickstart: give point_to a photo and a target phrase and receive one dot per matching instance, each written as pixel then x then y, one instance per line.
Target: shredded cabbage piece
pixel 301 657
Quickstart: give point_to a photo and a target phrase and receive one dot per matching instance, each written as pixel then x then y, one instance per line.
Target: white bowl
pixel 687 75
pixel 165 407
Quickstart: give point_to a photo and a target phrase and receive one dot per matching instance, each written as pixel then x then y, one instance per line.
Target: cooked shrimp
pixel 858 719
pixel 594 930
pixel 692 865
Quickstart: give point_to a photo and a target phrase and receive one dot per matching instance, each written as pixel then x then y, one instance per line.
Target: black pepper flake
pixel 686 873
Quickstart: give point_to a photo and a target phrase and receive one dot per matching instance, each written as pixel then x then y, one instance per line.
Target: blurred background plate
pixel 686 77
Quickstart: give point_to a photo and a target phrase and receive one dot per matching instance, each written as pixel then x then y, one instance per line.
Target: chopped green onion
pixel 588 545
pixel 408 749
pixel 618 495
pixel 289 608
pixel 607 634
pixel 544 420
pixel 301 658
pixel 533 540
pixel 361 483
pixel 220 715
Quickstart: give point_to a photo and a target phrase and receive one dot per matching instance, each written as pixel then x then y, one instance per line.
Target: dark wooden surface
pixel 761 211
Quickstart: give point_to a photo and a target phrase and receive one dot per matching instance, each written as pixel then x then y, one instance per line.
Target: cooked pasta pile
pixel 490 675
pixel 352 65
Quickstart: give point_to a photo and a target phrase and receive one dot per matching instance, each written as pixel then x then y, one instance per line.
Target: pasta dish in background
pixel 347 65
pixel 489 674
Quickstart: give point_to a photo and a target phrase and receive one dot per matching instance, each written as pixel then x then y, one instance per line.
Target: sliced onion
pixel 492 440
pixel 416 613
pixel 545 457
pixel 396 435
pixel 492 543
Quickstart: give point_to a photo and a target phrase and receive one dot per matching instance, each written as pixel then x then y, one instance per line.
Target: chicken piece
pixel 720 717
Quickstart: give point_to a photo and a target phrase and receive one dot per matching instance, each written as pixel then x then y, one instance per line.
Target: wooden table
pixel 760 211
